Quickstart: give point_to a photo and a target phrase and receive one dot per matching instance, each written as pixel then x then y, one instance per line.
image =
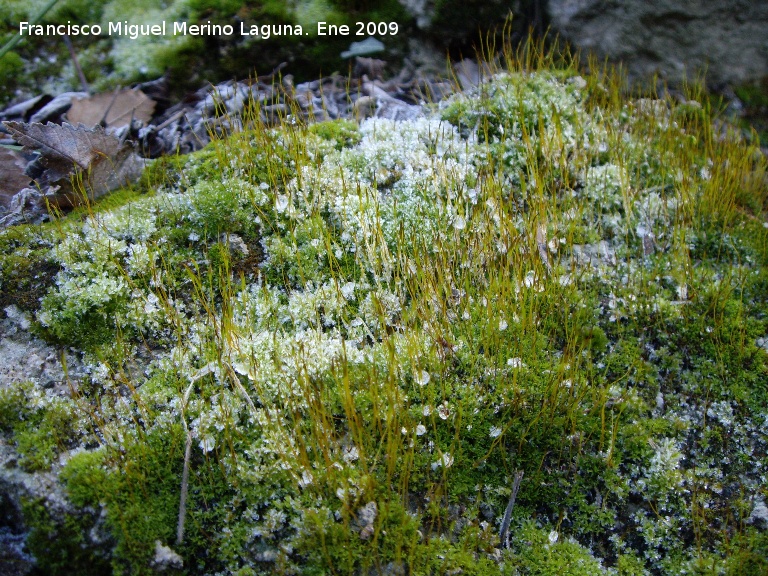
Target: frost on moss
pixel 42 427
pixel 363 332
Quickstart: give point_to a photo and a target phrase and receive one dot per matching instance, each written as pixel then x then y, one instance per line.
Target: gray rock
pixel 24 357
pixel 364 48
pixel 16 486
pixel 364 523
pixel 468 74
pixel 459 20
pixel 367 514
pixel 675 38
pixel 268 555
pixel 22 110
pixel 14 560
pixel 56 107
pixel 759 515
pixel 165 558
pixel 235 243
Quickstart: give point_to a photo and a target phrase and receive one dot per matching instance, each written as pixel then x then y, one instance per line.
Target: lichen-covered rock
pixel 23 356
pixel 677 39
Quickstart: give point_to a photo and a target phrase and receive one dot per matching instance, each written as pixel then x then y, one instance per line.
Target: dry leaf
pixel 101 159
pixel 12 165
pixel 112 109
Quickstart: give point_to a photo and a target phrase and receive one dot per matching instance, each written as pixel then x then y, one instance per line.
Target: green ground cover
pixel 361 334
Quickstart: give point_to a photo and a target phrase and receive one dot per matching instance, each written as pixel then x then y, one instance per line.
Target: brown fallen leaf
pixel 12 176
pixel 111 109
pixel 73 152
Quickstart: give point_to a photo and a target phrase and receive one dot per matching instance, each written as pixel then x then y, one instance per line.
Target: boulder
pixel 461 23
pixel 675 38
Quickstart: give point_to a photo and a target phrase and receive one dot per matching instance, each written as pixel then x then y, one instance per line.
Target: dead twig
pixel 504 534
pixel 75 61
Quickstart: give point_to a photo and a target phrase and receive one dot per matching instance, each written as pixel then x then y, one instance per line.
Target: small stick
pixel 103 121
pixel 205 370
pixel 175 116
pixel 184 488
pixel 271 75
pixel 80 74
pixel 504 534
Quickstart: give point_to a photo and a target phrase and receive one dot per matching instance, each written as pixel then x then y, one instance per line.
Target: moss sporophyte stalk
pixel 351 339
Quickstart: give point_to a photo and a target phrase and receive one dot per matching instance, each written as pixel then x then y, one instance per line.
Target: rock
pixel 434 91
pixel 366 516
pixel 487 512
pixel 647 238
pixel 16 487
pixel 371 67
pixel 235 243
pixel 14 560
pixel 675 38
pixel 23 110
pixel 457 21
pixel 468 74
pixel 166 558
pixel 268 555
pixel 393 109
pixel 26 357
pixel 26 206
pixel 364 107
pixel 56 107
pixel 377 102
pixel 364 48
pixel 759 515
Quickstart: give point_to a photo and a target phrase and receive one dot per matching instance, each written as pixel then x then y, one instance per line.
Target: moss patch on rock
pixel 363 333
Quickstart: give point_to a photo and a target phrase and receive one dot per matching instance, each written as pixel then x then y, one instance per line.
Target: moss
pixel 409 341
pixel 59 542
pixel 467 555
pixel 84 325
pixel 541 551
pixel 41 428
pixel 26 269
pixel 11 66
pixel 628 565
pixel 754 118
pixel 140 492
pixel 393 542
pixel 750 554
pixel 86 477
pixel 14 405
pixel 341 133
pixel 221 210
pixel 44 437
